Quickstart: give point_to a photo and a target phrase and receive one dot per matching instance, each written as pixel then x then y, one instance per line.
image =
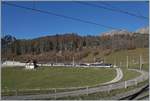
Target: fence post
pixel 109 88
pixel 6 89
pixel 114 62
pixel 133 61
pixel 87 89
pixel 16 92
pixel 127 63
pixel 135 82
pixel 120 64
pixel 125 84
pixel 94 59
pixel 13 61
pixel 55 93
pixel 50 90
pixel 140 62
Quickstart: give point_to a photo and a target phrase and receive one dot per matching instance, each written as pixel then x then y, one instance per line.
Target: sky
pixel 28 24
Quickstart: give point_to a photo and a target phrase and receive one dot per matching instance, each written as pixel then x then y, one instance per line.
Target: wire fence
pixel 140 61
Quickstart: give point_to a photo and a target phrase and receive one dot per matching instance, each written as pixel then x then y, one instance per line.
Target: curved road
pixel 144 76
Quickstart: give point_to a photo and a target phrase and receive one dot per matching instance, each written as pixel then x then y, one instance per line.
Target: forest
pixel 63 47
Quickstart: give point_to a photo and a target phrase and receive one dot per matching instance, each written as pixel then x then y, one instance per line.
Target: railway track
pixel 138 95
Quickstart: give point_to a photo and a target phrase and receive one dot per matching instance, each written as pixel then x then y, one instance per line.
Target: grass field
pixel 19 78
pixel 15 78
pixel 120 58
pixel 43 78
pixel 128 74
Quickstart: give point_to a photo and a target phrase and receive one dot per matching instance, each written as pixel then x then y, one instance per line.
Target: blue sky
pixel 23 23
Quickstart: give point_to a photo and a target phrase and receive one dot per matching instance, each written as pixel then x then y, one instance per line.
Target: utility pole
pixel 127 63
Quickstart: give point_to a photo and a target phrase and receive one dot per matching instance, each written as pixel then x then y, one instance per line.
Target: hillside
pixel 120 55
pixel 63 48
pixel 143 30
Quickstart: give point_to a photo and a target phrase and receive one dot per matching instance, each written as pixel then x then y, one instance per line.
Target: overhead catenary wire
pixel 61 15
pixel 112 9
pixel 116 8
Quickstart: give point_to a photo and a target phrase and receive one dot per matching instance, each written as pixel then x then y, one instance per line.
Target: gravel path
pixel 117 78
